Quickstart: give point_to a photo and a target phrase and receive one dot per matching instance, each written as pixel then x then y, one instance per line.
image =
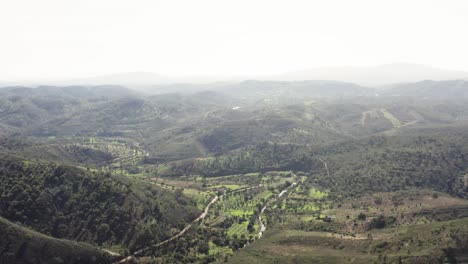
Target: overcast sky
pixel 68 39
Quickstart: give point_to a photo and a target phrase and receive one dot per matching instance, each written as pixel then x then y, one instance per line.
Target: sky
pixel 59 39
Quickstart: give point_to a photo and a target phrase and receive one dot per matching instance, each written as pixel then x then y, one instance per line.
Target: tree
pixel 204 248
pixel 362 216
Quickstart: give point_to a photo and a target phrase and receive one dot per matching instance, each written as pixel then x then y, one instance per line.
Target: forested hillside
pixel 21 245
pixel 89 206
pixel 296 169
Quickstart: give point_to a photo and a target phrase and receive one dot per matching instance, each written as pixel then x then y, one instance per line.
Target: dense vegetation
pixel 68 202
pixel 435 160
pixel 20 245
pixel 125 171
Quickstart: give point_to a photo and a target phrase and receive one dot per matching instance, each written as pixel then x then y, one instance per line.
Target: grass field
pixel 423 242
pixel 413 237
pixel 395 122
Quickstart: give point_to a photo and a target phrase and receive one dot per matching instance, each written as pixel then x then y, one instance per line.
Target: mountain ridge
pixel 363 75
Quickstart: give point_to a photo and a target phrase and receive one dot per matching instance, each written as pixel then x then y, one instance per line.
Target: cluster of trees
pixel 195 246
pixel 390 164
pixel 431 160
pixel 96 207
pixel 259 158
pixel 21 245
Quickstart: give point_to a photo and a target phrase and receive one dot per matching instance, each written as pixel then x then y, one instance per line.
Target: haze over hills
pixel 365 76
pixel 238 132
pixel 125 168
pixel 132 79
pixel 134 173
pixel 455 89
pixel 376 75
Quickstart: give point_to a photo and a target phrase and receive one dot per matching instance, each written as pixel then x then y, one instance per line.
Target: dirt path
pixel 114 254
pixel 200 217
pixel 321 160
pixel 326 166
pixel 346 237
pixel 263 226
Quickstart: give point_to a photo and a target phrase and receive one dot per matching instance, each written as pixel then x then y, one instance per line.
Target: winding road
pixel 321 160
pixel 326 166
pixel 262 224
pixel 200 217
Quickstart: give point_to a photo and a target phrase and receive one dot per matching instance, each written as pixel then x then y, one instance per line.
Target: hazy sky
pixel 65 38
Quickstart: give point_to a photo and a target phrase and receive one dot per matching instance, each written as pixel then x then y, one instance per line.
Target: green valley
pixel 249 172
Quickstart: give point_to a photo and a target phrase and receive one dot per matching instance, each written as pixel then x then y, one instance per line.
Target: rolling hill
pixel 105 167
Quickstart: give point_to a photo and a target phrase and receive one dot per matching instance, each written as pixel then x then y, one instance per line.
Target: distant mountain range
pixel 375 76
pixel 451 89
pixel 364 76
pixel 141 79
